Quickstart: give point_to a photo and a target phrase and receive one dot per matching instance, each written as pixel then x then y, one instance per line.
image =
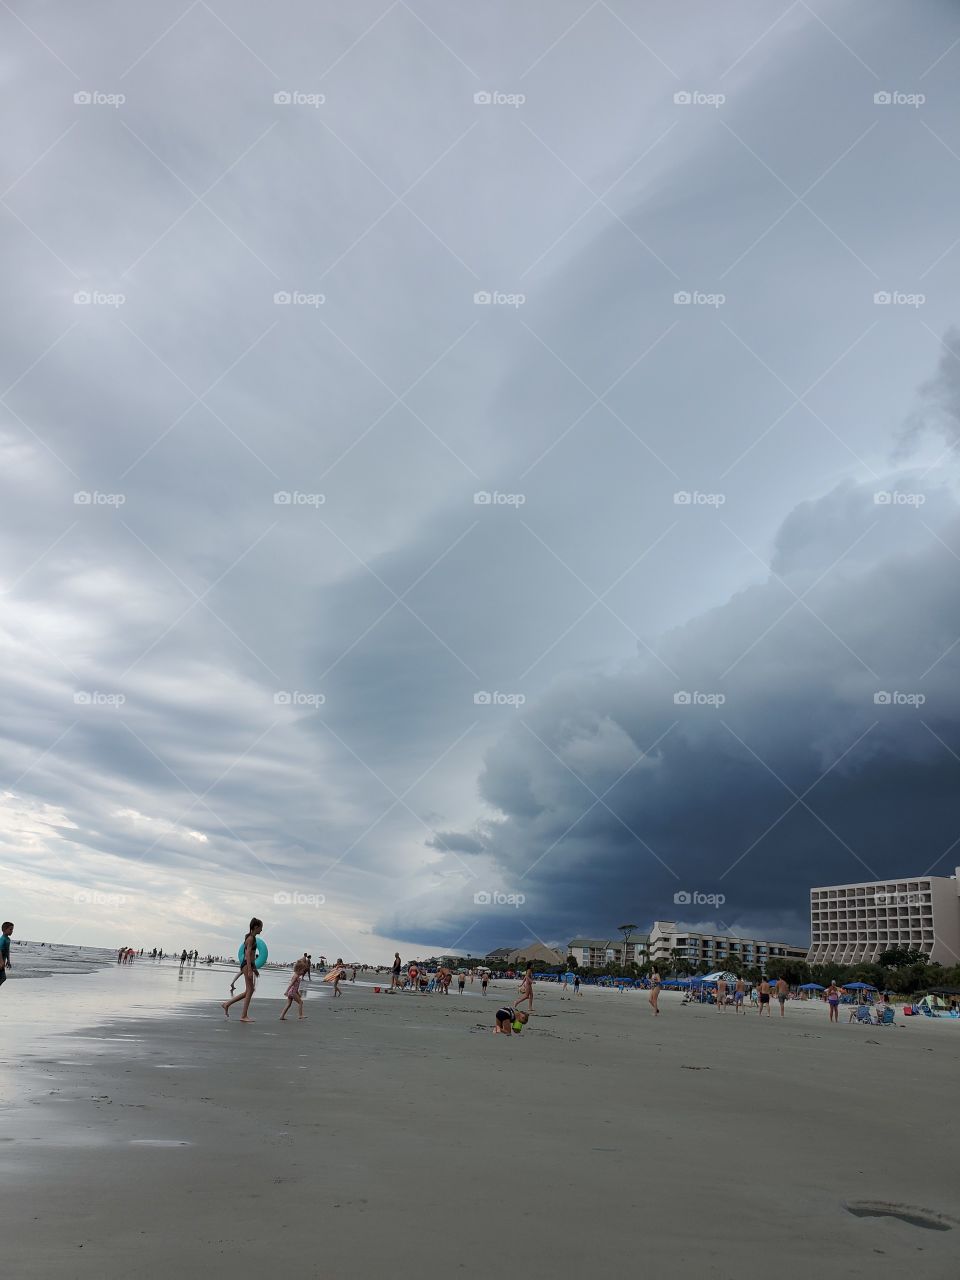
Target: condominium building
pixel 595 953
pixel 669 943
pixel 856 923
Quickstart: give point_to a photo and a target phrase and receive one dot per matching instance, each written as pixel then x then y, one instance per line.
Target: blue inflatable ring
pixel 261 957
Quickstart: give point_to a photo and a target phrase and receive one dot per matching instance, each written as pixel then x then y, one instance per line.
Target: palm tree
pixel 626 930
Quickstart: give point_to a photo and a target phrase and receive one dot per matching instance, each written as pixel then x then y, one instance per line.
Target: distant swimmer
pixel 5 950
pixel 249 971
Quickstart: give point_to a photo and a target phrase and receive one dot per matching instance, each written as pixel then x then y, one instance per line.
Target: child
pixel 5 950
pixel 293 990
pixel 510 1021
pixel 249 971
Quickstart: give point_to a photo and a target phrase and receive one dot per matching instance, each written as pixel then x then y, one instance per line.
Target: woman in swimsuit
pixel 833 1000
pixel 655 993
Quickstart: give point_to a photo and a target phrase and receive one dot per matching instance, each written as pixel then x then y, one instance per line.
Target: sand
pixel 395 1135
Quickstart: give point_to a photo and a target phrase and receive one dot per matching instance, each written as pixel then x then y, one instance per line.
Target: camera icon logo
pixel 282 299
pixel 683 98
pixel 482 899
pixel 282 898
pixel 682 897
pixel 82 698
pixel 882 298
pixel 881 698
pixel 883 98
pixel 681 698
pixel 282 698
pixel 282 498
pixel 682 498
pixel 482 498
pixel 483 98
pixel 83 98
pixel 482 698
pixel 681 298
pixel 82 499
pixel 483 298
pixel 283 98
pixel 82 298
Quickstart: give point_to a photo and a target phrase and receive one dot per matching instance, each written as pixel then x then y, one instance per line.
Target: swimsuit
pixel 506 1015
pixel 764 999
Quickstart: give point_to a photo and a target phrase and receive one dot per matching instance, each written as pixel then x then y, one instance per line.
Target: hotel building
pixel 669 943
pixel 595 953
pixel 856 923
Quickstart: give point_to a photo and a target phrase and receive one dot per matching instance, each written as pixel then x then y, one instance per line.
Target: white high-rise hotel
pixel 850 923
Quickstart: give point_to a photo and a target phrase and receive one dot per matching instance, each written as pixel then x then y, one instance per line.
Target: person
pixel 397 966
pixel 783 990
pixel 183 957
pixel 565 987
pixel 5 950
pixel 764 997
pixel 249 972
pixel 832 997
pixel 526 989
pixel 412 974
pixel 338 972
pixel 510 1021
pixel 738 993
pixel 353 974
pixel 721 995
pixel 655 992
pixel 293 990
pixel 483 984
pixel 576 985
pixel 461 982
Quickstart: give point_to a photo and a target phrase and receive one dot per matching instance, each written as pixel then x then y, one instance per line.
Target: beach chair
pixel 861 1013
pixel 927 1011
pixel 885 1016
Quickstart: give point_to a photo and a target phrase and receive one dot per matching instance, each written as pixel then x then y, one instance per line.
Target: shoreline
pixel 368 1136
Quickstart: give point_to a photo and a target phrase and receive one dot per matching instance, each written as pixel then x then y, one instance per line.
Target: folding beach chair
pixel 861 1013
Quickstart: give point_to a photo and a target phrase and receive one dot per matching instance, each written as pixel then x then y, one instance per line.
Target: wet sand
pixel 395 1135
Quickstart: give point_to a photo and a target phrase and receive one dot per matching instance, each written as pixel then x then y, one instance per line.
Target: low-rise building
pixel 596 953
pixel 669 943
pixel 856 923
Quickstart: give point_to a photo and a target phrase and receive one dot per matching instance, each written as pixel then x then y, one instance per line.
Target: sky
pixel 475 473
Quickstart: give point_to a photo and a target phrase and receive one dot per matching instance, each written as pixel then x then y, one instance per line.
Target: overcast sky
pixel 475 472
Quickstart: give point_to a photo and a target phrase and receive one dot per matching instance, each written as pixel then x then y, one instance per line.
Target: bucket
pixel 376 991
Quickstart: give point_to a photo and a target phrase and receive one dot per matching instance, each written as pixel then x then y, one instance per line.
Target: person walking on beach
pixel 738 994
pixel 764 1000
pixel 461 983
pixel 721 995
pixel 832 996
pixel 5 950
pixel 483 984
pixel 655 993
pixel 339 971
pixel 783 990
pixel 183 957
pixel 249 972
pixel 526 989
pixel 576 985
pixel 397 966
pixel 293 990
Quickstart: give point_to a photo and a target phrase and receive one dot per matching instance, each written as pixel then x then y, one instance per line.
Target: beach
pixel 395 1133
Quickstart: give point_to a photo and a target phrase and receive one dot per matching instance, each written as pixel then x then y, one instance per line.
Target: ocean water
pixel 42 960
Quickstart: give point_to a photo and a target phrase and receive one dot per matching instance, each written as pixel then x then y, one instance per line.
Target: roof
pixel 592 942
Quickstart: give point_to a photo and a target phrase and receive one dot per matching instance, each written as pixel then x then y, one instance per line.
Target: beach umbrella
pixel 859 986
pixel 812 986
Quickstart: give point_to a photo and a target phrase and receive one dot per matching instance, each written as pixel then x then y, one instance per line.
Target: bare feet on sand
pixel 245 1019
pixel 226 1009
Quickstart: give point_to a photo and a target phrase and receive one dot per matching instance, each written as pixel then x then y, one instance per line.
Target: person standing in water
pixel 249 972
pixel 5 950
